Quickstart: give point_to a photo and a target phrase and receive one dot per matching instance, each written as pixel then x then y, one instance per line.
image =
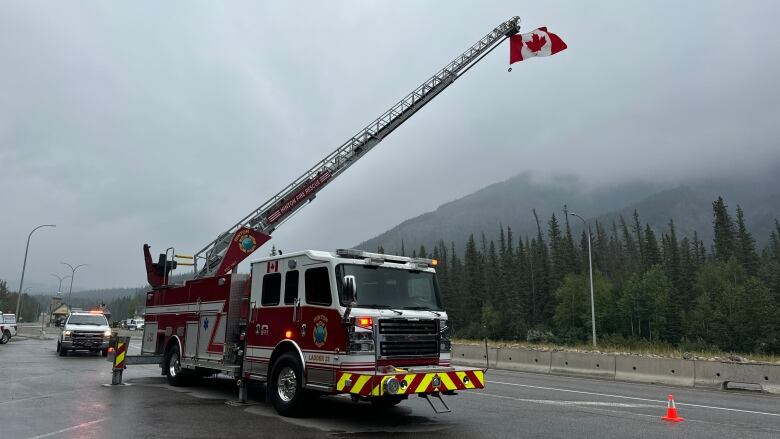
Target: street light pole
pixel 61 278
pixel 590 267
pixel 24 267
pixel 73 274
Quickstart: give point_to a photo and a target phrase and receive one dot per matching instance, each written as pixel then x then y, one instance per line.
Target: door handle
pixel 303 330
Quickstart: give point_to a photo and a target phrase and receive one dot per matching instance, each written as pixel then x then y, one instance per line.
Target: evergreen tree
pixel 746 246
pixel 639 238
pixel 474 283
pixel 491 274
pixel 724 237
pixel 458 306
pixel 541 302
pixel 600 250
pixel 650 252
pixel 558 264
pixel 570 252
pixel 630 247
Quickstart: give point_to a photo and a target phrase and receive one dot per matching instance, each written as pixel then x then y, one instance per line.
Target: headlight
pixel 67 333
pixel 107 333
pixel 392 386
pixel 444 336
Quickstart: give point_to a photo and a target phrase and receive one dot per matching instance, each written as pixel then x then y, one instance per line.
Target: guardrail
pixel 634 368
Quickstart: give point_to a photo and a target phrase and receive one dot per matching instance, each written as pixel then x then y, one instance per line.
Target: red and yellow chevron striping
pixel 364 384
pixel 119 358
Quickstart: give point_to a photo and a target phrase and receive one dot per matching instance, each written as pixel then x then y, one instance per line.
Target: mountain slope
pixel 511 203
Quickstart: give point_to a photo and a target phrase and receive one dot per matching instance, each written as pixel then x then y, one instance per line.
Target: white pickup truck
pixel 7 327
pixel 84 331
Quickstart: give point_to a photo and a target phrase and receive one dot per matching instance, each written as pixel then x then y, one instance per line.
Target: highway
pixel 46 396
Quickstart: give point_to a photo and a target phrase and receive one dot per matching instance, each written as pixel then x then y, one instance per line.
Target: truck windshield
pixel 383 287
pixel 95 319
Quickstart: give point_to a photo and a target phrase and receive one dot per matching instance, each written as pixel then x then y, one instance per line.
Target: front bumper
pixel 84 344
pixel 411 381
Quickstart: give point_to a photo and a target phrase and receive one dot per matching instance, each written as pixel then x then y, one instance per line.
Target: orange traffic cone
pixel 671 411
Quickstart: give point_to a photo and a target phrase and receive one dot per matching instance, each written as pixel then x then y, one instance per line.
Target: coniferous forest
pixel 650 285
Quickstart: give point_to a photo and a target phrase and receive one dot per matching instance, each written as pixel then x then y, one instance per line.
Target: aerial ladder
pixel 211 260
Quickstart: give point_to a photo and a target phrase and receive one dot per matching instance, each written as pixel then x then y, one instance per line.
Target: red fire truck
pixel 364 324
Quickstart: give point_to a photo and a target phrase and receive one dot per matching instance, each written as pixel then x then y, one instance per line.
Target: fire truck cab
pixel 349 321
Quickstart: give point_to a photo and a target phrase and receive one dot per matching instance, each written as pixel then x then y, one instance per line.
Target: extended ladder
pixel 303 189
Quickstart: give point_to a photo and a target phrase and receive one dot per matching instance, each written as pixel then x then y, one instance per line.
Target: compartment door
pixel 190 339
pixel 149 343
pixel 211 338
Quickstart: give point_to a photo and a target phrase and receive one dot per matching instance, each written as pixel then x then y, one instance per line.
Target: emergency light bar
pixel 379 259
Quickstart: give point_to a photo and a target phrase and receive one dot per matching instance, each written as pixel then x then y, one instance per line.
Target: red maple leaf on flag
pixel 536 43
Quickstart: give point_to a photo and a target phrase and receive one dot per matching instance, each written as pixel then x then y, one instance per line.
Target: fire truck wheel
pixel 176 375
pixel 285 388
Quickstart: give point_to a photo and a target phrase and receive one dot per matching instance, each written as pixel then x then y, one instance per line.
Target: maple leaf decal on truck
pixel 536 43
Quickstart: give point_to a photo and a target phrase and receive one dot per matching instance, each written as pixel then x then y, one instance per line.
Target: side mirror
pixel 349 289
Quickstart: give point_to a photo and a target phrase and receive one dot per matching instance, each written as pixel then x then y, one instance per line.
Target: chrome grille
pixel 408 338
pixel 403 326
pixel 89 337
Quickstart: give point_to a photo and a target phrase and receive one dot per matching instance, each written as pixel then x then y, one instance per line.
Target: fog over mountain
pixel 511 203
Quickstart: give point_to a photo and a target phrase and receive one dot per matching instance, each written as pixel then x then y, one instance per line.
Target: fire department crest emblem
pixel 246 243
pixel 320 332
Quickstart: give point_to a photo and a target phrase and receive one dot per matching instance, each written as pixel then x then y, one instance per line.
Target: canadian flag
pixel 536 43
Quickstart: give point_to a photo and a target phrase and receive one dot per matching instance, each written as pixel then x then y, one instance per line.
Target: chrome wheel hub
pixel 286 384
pixel 175 365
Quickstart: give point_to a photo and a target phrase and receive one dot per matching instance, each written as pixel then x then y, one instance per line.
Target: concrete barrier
pixel 672 371
pixel 585 364
pixel 523 360
pixel 720 374
pixel 473 355
pixel 631 368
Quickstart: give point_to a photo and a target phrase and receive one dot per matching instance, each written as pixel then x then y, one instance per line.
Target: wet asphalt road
pixel 43 395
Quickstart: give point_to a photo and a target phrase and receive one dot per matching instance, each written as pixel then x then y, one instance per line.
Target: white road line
pixel 569 403
pixel 634 398
pixel 75 427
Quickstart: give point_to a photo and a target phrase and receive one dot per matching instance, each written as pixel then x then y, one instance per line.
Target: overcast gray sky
pixel 165 122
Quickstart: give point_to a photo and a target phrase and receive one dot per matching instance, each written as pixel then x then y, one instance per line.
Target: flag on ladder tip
pixel 535 43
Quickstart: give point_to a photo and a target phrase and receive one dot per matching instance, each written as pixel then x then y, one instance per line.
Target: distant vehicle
pixel 135 324
pixel 85 331
pixel 7 327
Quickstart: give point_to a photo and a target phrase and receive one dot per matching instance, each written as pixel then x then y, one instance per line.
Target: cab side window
pixel 272 284
pixel 290 287
pixel 318 286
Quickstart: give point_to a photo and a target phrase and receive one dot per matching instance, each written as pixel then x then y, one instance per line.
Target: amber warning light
pixel 288 334
pixel 365 322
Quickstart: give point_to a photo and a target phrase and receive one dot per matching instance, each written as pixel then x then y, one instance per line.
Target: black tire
pixel 173 370
pixel 104 352
pixel 5 337
pixel 387 401
pixel 63 352
pixel 289 399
